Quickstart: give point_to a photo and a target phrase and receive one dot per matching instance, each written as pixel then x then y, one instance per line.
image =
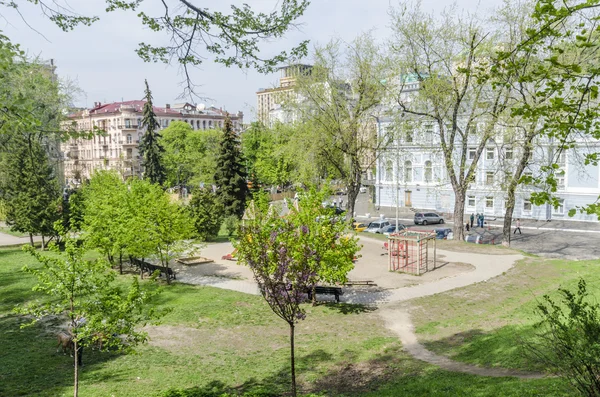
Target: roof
pixel 137 106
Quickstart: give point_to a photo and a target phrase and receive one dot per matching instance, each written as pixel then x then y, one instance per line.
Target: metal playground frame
pixel 409 252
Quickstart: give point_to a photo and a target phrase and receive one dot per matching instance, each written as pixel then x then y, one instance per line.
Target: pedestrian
pixel 518 226
pixel 472 219
pixel 467 226
pixel 482 220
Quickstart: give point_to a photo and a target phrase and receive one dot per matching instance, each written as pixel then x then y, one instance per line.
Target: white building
pixel 117 146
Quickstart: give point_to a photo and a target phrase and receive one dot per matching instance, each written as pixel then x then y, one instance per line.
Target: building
pixel 117 133
pixel 269 100
pixel 411 173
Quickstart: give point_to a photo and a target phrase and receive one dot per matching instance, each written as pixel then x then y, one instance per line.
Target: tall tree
pixel 29 187
pixel 233 39
pixel 230 176
pixel 151 148
pixel 449 58
pixel 338 99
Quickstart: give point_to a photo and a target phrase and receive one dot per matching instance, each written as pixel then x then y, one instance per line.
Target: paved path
pixel 390 301
pixel 8 240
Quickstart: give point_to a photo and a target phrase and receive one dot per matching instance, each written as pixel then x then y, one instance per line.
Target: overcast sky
pixel 102 58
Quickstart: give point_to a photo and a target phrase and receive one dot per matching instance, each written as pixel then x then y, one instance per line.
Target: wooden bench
pixel 150 268
pixel 336 291
pixel 360 282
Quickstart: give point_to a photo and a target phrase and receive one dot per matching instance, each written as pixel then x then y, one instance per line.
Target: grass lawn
pixel 483 323
pixel 231 342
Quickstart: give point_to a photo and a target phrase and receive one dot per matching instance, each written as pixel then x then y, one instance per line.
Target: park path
pixel 390 301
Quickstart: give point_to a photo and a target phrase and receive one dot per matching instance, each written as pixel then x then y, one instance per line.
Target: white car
pixel 377 226
pixel 363 189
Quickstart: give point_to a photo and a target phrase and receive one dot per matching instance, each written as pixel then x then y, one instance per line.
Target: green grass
pixel 231 342
pixel 484 324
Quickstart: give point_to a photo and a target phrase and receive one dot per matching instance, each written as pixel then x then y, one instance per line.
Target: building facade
pixel 411 172
pixel 269 100
pixel 117 133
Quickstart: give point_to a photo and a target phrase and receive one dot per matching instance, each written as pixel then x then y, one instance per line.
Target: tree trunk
pixel 76 366
pixel 510 207
pixel 353 191
pixel 293 360
pixel 121 262
pixel 31 239
pixel 43 242
pixel 459 214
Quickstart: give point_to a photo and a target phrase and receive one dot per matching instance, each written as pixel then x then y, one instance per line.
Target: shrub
pixel 207 212
pixel 231 224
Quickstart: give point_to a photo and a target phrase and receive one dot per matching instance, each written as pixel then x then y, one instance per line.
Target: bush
pixel 567 340
pixel 207 212
pixel 231 225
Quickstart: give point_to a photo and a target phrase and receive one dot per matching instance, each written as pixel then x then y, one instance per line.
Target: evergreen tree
pixel 150 148
pixel 230 176
pixel 29 188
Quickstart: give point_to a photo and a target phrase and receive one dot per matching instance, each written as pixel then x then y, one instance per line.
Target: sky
pixel 101 59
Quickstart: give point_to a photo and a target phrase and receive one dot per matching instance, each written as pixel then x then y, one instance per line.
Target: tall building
pixel 269 100
pixel 121 122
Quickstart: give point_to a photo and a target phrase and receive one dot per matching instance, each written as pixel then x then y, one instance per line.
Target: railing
pixel 128 127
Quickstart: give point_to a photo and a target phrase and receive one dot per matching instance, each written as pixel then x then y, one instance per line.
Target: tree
pixel 338 100
pixel 233 39
pixel 86 293
pixel 552 73
pixel 190 155
pixel 206 210
pixel 29 188
pixel 287 254
pixel 566 339
pixel 450 59
pixel 230 177
pixel 151 149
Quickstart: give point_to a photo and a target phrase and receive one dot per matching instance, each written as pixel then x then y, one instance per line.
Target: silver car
pixel 425 218
pixel 377 226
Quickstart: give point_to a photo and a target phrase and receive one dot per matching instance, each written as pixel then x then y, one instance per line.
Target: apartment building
pixel 269 100
pixel 117 133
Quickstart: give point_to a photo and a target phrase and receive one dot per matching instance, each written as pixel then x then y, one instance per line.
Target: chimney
pixel 168 106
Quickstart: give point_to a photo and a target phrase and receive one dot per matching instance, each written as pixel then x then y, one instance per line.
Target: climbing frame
pixel 409 252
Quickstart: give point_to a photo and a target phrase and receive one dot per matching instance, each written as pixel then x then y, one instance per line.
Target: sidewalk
pixel 8 240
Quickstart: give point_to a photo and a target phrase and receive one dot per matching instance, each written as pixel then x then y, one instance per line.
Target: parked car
pixel 393 229
pixel 363 189
pixel 425 218
pixel 340 192
pixel 377 226
pixel 359 227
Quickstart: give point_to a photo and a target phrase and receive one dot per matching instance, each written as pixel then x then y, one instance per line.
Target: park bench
pixel 335 291
pixel 149 268
pixel 360 282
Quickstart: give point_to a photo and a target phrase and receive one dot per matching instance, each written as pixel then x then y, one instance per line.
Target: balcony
pixel 128 126
pixel 133 142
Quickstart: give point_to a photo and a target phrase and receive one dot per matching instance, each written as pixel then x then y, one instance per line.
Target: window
pixel 508 153
pixel 489 153
pixel 472 130
pixel 561 159
pixel 560 179
pixel 409 136
pixel 471 201
pixel 389 170
pixel 489 202
pixel 560 209
pixel 127 123
pixel 526 206
pixel 428 132
pixel 489 178
pixel 210 124
pixel 428 171
pixel 129 139
pixel 165 123
pixel 203 124
pixel 472 153
pixel 407 171
pixel 139 122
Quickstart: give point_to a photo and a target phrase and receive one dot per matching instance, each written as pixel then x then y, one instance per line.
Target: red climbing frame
pixel 408 252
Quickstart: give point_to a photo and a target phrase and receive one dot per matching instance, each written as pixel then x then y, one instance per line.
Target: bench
pixel 149 268
pixel 360 282
pixel 336 291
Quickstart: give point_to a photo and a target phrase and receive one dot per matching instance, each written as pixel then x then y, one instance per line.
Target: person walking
pixel 467 227
pixel 472 218
pixel 517 226
pixel 482 220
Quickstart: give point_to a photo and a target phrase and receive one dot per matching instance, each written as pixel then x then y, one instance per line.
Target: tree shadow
pixel 348 308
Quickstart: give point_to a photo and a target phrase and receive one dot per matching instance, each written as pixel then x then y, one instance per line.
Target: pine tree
pixel 230 176
pixel 150 148
pixel 29 188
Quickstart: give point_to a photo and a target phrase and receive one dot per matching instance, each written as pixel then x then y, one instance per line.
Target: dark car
pixel 425 218
pixel 393 229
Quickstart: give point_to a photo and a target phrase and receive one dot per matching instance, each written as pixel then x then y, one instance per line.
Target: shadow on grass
pixel 503 348
pixel 30 364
